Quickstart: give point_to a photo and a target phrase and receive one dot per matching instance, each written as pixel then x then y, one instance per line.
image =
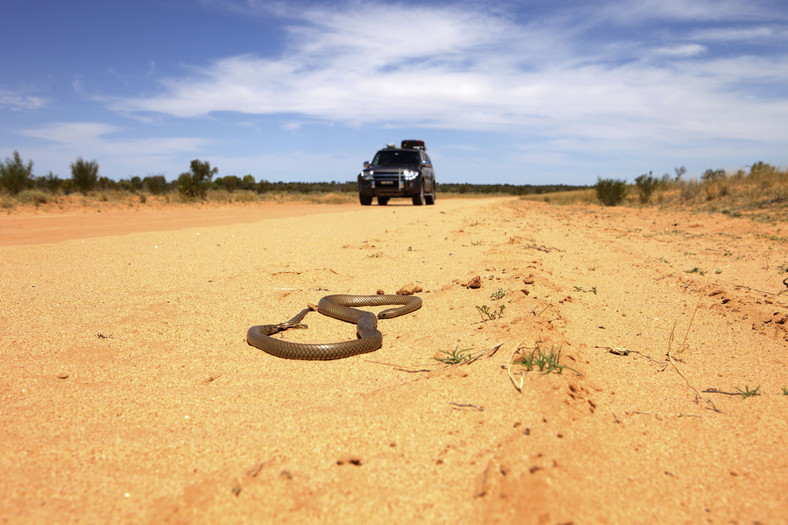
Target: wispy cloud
pixel 20 101
pixel 468 69
pixel 96 139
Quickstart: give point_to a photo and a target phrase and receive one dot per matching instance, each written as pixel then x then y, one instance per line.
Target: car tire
pixel 382 201
pixel 430 198
pixel 364 200
pixel 418 199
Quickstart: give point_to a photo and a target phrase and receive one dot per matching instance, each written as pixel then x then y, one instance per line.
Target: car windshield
pixel 395 158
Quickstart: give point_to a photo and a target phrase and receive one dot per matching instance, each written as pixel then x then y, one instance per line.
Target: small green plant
pixel 488 314
pixel 84 174
pixel 15 175
pixel 476 243
pixel 376 255
pixel 610 192
pixel 544 362
pixel 590 290
pixel 498 294
pixel 785 391
pixel 696 270
pixel 194 184
pixel 646 184
pixel 749 393
pixel 454 357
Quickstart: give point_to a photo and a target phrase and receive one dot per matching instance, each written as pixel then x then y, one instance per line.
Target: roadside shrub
pixel 610 192
pixel 229 183
pixel 68 187
pixel 713 175
pixel 34 197
pixel 155 184
pixel 15 176
pixel 646 184
pixel 84 174
pixel 248 182
pixel 51 183
pixel 689 190
pixel 194 183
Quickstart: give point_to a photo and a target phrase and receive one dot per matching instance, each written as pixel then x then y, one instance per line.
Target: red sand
pixel 129 393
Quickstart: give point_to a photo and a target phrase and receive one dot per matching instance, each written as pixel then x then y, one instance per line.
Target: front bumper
pixel 389 184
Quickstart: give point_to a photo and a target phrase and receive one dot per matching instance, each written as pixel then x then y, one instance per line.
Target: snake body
pixel 338 307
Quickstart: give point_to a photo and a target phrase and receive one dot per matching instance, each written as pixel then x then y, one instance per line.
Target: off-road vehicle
pixel 398 172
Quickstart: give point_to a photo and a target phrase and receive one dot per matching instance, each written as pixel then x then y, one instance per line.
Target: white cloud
pixel 19 101
pixel 629 11
pixel 687 50
pixel 466 69
pixel 70 132
pixel 733 34
pixel 93 137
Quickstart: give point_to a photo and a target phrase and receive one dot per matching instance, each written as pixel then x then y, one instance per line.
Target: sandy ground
pixel 129 393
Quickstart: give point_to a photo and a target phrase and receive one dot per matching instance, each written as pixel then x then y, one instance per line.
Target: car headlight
pixel 410 174
pixel 367 175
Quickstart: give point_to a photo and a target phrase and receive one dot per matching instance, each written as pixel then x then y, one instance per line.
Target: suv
pixel 398 172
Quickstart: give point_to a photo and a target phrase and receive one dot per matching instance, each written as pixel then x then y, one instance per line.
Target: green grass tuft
pixel 749 393
pixel 454 357
pixel 543 361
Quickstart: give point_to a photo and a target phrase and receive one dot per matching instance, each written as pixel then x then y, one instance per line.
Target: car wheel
pixel 365 200
pixel 418 199
pixel 430 199
pixel 382 201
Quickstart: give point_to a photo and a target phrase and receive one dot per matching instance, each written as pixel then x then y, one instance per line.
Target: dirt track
pixel 130 395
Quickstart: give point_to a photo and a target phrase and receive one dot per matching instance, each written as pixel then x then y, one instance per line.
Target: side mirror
pixel 426 164
pixel 366 164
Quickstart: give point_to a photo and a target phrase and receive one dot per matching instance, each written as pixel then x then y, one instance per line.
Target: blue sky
pixel 520 92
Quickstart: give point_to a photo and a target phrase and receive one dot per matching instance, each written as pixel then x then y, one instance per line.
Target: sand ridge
pixel 131 396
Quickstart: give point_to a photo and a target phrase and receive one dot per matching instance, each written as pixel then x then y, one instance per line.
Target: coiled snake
pixel 338 307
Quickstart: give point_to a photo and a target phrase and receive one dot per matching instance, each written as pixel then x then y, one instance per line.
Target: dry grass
pixel 564 197
pixel 761 194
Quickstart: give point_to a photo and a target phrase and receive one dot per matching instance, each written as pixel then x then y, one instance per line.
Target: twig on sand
pixel 517 386
pixel 255 471
pixel 626 351
pixel 484 353
pixel 400 367
pixel 467 405
pixel 672 362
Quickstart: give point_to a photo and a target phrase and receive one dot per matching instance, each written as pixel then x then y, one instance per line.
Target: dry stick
pixel 467 405
pixel 509 369
pixel 683 345
pixel 484 353
pixel 254 471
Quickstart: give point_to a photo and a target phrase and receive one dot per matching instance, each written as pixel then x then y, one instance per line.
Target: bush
pixel 193 184
pixel 611 191
pixel 51 183
pixel 84 174
pixel 155 184
pixel 15 176
pixel 646 184
pixel 34 197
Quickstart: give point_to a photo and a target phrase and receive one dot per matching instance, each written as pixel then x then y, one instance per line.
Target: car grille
pixel 388 179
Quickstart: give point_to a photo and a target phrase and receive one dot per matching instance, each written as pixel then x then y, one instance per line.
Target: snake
pixel 339 307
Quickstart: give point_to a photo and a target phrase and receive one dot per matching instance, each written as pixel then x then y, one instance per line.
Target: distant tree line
pixel 506 189
pixel 17 176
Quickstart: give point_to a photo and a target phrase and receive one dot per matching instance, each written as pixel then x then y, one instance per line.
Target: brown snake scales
pixel 338 307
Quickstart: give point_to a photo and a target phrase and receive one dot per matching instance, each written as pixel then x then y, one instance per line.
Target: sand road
pixel 129 394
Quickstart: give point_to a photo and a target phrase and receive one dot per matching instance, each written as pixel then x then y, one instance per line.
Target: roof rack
pixel 414 144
